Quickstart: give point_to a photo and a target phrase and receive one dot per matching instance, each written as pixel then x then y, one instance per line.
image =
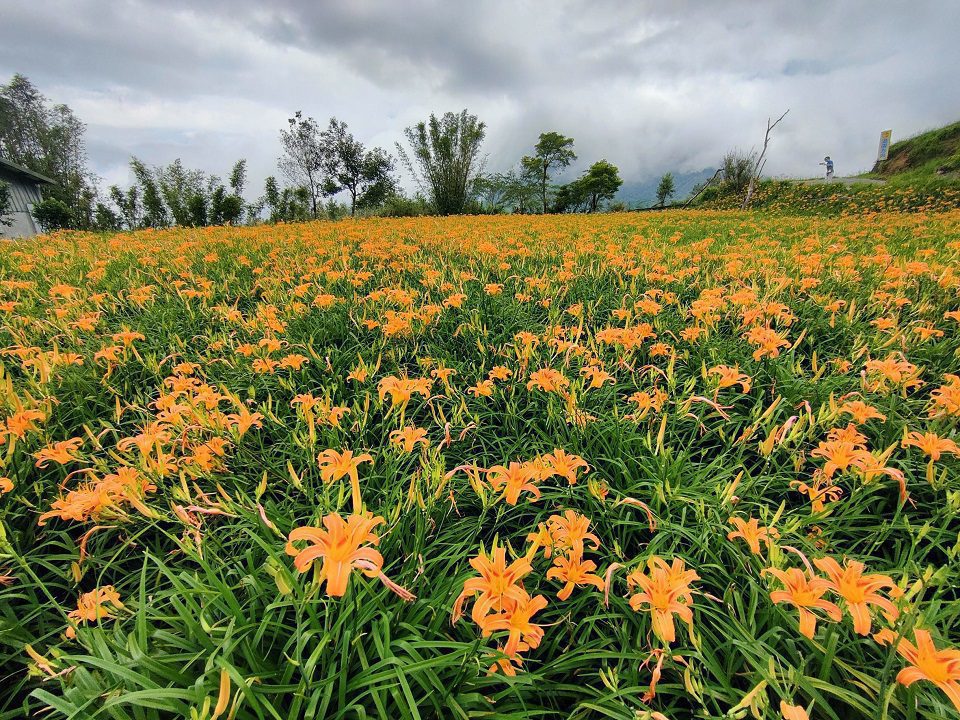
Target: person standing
pixel 829 163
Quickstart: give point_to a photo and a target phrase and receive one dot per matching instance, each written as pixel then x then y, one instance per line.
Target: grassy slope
pixel 932 155
pixel 922 175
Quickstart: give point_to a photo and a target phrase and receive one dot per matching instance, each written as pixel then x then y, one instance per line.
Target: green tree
pixel 6 204
pixel 523 191
pixel 665 189
pixel 492 191
pixel 737 168
pixel 53 214
pixel 154 211
pixel 106 219
pixel 182 191
pixel 127 205
pixel 238 177
pixel 302 161
pixel 189 198
pixel 365 174
pixel 48 139
pixel 444 158
pixel 552 151
pixel 597 185
pixel 287 204
pixel 601 183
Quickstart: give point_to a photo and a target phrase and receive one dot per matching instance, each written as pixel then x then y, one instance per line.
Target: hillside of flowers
pixel 640 466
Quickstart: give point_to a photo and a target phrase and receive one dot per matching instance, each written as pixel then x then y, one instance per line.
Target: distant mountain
pixel 643 193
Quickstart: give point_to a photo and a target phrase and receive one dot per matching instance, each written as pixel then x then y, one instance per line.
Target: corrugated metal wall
pixel 23 197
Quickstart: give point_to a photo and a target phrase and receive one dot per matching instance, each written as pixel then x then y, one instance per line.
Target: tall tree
pixel 444 158
pixel 601 183
pixel 288 204
pixel 303 161
pixel 665 189
pixel 48 139
pixel 238 177
pixel 154 211
pixel 597 185
pixel 179 188
pixel 365 174
pixel 552 151
pixel 128 205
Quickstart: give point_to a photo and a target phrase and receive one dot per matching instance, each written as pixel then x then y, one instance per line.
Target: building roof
pixel 27 173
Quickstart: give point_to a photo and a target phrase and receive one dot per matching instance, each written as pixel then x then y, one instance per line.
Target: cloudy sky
pixel 651 86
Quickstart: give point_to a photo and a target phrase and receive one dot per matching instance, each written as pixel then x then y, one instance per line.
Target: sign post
pixel 884 152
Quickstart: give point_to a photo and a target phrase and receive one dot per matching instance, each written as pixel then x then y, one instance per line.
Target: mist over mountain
pixel 643 193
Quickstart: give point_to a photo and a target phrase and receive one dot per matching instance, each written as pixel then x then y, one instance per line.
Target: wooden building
pixel 25 186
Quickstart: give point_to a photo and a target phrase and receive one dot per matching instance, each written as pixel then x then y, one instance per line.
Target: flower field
pixel 672 465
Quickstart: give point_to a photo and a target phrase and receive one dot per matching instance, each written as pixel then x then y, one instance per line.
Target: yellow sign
pixel 884 152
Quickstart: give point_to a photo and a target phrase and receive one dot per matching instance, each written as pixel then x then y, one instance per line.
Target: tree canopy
pixel 597 185
pixel 665 189
pixel 48 139
pixel 444 158
pixel 552 151
pixel 366 175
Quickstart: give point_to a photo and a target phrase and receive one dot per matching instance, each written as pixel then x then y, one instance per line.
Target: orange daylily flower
pixel 92 606
pixel 941 667
pixel 861 412
pixel 893 371
pixel 571 531
pixel 842 449
pixel 294 361
pixel 573 570
pixel 768 341
pixel 91 500
pixel 666 592
pixel 359 374
pixel 243 420
pixel 514 479
pixel 597 377
pixel 402 389
pixel 559 462
pixel 409 437
pixel 61 452
pixel 508 664
pixel 819 491
pixel 752 533
pixel 341 546
pixel 548 380
pixel 859 591
pixel 19 424
pixel 793 712
pixel 730 376
pixel 517 620
pixel 499 585
pixel 483 388
pixel 128 337
pixel 806 594
pixel 499 372
pixel 932 445
pixel 335 465
pixel 945 400
pixel 647 401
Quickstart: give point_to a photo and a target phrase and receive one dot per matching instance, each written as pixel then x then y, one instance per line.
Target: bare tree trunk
pixel 761 161
pixel 705 186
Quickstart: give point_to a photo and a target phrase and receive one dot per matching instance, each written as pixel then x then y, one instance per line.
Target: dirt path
pixel 844 181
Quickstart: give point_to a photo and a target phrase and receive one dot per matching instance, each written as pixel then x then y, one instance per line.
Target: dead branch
pixel 761 161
